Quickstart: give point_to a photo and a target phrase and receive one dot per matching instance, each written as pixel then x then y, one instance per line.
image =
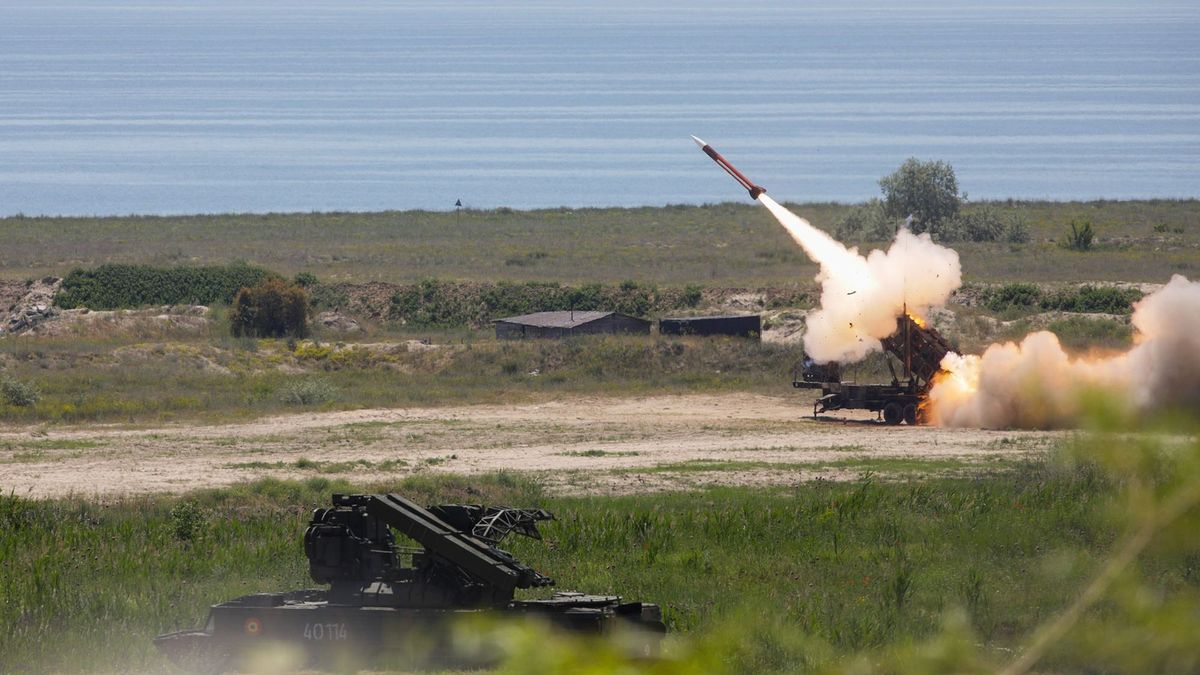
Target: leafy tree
pixel 927 190
pixel 273 308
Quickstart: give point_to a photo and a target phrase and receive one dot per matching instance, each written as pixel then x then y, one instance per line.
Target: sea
pixel 211 106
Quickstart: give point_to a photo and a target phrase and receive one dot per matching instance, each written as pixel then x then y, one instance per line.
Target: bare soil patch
pixel 578 445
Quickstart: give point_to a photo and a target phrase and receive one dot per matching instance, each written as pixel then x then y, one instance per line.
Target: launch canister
pixel 730 169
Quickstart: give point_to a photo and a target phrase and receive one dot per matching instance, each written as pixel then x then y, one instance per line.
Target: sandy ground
pixel 580 445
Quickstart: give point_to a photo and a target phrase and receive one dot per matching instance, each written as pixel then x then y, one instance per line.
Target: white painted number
pixel 324 631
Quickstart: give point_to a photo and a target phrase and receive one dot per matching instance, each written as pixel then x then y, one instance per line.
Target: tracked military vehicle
pixel 398 606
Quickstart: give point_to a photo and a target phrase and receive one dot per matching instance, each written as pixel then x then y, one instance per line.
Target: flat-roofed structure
pixel 565 324
pixel 748 325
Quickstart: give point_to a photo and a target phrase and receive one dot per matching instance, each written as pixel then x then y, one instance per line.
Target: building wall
pixel 614 323
pixel 738 326
pixel 509 331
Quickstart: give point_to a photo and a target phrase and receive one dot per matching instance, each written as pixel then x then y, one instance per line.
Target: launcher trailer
pixel 919 348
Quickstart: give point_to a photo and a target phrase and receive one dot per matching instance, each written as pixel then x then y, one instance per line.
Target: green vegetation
pixel 1077 333
pixel 719 245
pixel 928 191
pixel 317 466
pixel 937 575
pixel 14 392
pixel 119 286
pixel 308 391
pixel 216 379
pixel 272 308
pixel 600 453
pixel 1081 236
pixel 1085 298
pixel 432 303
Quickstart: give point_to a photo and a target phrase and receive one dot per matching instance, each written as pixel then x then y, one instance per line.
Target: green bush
pixel 326 296
pixel 1080 237
pixel 1012 296
pixel 306 279
pixel 1078 333
pixel 308 392
pixel 1085 299
pixel 188 519
pixel 1102 299
pixel 114 286
pixel 18 393
pixel 1017 230
pixel 270 309
pixel 979 223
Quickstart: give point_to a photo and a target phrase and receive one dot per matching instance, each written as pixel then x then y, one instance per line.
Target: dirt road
pixel 594 445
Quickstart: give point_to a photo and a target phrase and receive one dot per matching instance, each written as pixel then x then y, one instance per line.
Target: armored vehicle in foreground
pixel 400 605
pixel 920 350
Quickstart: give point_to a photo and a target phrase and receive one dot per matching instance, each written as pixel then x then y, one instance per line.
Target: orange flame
pixel 918 320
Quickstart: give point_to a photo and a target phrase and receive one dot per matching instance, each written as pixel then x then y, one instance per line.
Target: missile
pixel 730 169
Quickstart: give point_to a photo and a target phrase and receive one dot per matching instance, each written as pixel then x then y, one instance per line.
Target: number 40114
pixel 324 631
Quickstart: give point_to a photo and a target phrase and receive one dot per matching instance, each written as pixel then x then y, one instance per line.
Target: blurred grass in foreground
pixel 1085 562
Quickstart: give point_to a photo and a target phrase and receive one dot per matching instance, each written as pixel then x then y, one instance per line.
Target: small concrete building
pixel 564 324
pixel 749 325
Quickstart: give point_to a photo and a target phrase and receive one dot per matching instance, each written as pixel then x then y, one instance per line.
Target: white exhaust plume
pixel 1036 384
pixel 861 297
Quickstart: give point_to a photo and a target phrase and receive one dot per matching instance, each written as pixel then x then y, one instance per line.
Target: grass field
pixel 779 579
pixel 220 378
pixel 723 244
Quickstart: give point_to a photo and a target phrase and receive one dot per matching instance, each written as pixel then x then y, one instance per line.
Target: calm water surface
pixel 123 107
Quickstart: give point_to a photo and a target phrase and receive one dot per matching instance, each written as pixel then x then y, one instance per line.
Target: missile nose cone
pixel 699 142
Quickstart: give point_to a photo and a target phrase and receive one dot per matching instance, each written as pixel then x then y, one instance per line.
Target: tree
pixel 273 308
pixel 927 190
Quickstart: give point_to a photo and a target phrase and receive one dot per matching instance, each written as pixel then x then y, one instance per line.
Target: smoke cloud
pixel 862 296
pixel 1036 384
pixel 1031 384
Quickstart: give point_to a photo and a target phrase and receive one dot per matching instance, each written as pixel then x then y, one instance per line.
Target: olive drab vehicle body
pixel 402 605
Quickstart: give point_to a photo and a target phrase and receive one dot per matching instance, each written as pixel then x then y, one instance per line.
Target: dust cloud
pixel 1036 384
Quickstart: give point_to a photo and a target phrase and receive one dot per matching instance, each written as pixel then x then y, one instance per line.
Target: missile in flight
pixel 730 169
